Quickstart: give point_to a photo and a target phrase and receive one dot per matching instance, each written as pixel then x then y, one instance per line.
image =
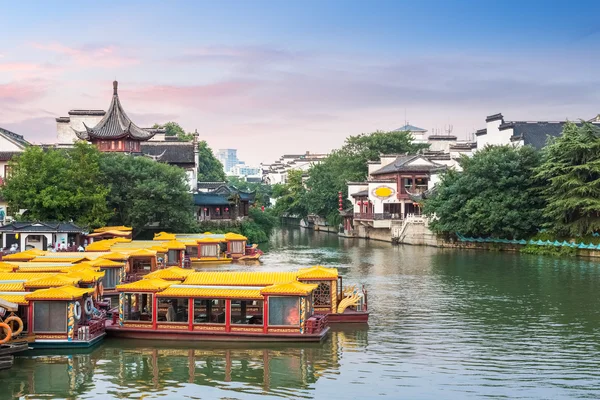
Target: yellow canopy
pixel 170 274
pixel 12 286
pixel 23 276
pixel 15 297
pixel 22 256
pixel 173 245
pixel 210 292
pixel 234 278
pixel 164 236
pixel 235 236
pixel 292 288
pixel 115 256
pixel 211 240
pixel 56 280
pixel 318 272
pixel 142 253
pixel 111 232
pixel 86 276
pixel 145 285
pixel 57 259
pixel 106 263
pixel 59 293
pixel 113 228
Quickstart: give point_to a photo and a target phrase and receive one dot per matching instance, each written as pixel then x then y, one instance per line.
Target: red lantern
pixel 205 208
pixel 218 208
pixel 226 208
pixel 262 208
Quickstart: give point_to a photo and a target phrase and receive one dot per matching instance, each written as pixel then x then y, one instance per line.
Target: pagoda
pixel 115 132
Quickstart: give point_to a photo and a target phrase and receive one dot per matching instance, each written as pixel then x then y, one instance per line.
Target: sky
pixel 279 77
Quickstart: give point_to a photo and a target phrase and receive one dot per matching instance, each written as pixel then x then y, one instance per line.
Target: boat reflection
pixel 117 368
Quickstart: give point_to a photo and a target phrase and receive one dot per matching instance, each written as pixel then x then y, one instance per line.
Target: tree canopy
pixel 570 173
pixel 144 193
pixel 174 129
pixel 291 197
pixel 58 185
pixel 209 169
pixel 494 195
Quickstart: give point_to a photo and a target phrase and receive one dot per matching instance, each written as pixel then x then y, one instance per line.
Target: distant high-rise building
pixel 228 158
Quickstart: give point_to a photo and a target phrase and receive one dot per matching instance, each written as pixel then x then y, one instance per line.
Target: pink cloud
pixel 21 92
pixel 106 56
pixel 192 95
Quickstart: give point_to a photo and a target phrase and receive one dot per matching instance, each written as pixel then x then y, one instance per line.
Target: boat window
pixel 50 316
pixel 209 311
pixel 172 309
pixel 173 256
pixel 284 311
pixel 111 277
pixel 322 294
pixel 142 265
pixel 209 250
pixel 247 312
pixel 192 251
pixel 137 307
pixel 237 247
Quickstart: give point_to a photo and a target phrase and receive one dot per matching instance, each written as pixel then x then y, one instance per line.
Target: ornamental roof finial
pixel 115 86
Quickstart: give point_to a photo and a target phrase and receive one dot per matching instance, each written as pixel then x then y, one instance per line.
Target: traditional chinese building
pixel 116 132
pixel 391 192
pixel 223 203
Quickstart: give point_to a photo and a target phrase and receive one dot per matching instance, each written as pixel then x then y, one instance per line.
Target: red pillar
pixel 266 315
pixel 154 311
pixel 228 315
pixel 30 318
pixel 191 314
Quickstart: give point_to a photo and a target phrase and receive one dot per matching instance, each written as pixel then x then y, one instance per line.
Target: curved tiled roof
pixel 249 278
pixel 59 293
pixel 145 285
pixel 12 286
pixel 210 292
pixel 115 124
pixel 57 280
pixel 292 289
pixel 317 272
pixel 170 274
pixel 15 297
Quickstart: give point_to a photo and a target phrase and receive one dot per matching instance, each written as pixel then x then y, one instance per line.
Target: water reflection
pixel 129 368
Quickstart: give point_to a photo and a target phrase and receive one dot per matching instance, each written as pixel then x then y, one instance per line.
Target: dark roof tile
pixel 170 152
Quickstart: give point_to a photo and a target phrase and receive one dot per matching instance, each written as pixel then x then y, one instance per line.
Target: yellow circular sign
pixel 384 191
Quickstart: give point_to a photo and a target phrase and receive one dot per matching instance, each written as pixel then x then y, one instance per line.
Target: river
pixel 445 324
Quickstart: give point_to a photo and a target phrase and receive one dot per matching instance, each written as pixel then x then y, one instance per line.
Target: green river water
pixel 444 324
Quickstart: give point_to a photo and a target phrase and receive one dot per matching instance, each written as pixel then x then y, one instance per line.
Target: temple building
pixel 115 132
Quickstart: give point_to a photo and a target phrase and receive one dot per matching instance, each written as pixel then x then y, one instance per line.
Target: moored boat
pixel 154 308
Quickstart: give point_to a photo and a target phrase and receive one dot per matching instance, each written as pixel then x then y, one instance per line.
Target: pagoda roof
pixel 115 124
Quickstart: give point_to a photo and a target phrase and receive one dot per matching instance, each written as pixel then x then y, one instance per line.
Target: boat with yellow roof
pixel 179 304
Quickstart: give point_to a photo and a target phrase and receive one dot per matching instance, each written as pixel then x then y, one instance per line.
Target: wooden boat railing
pixel 316 324
pixel 96 326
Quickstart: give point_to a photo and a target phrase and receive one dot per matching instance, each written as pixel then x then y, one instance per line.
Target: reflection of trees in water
pixel 145 366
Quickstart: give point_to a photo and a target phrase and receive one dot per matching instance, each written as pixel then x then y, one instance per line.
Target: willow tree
pixel 571 175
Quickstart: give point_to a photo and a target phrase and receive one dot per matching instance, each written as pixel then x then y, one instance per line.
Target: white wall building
pixel 276 172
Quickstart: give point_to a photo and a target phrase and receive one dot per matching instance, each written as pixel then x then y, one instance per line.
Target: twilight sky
pixel 275 77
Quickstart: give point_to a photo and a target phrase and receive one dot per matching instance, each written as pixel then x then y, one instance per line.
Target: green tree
pixel 174 129
pixel 570 173
pixel 291 197
pixel 263 191
pixel 144 192
pixel 495 195
pixel 209 169
pixel 58 185
pixel 350 163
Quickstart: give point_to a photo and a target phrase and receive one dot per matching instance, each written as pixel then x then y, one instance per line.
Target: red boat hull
pixel 349 317
pixel 117 331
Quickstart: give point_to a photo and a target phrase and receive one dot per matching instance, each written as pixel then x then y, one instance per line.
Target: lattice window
pixel 322 294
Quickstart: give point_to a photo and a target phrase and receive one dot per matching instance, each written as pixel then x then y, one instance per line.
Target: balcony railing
pixel 377 216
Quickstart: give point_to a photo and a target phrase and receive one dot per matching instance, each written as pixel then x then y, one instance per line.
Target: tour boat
pixel 210 247
pixel 49 311
pixel 153 308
